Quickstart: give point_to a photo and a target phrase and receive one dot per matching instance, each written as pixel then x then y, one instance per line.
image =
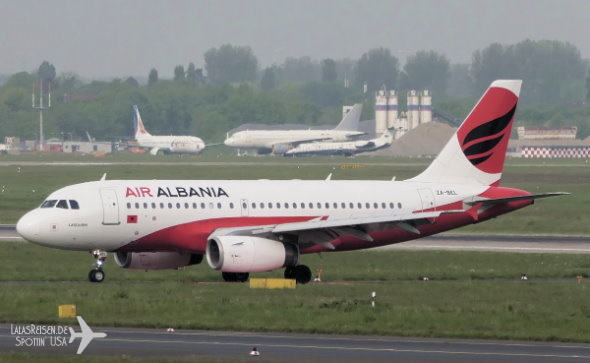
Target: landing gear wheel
pixel 235 276
pixel 301 273
pixel 289 272
pixel 96 275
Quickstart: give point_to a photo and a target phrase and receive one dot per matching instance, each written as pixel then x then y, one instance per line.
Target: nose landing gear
pixel 97 274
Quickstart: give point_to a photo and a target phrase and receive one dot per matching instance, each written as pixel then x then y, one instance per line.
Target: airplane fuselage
pixel 172 144
pixel 181 215
pixel 270 138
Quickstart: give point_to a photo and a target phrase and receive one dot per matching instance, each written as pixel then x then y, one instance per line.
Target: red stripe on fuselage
pixel 192 236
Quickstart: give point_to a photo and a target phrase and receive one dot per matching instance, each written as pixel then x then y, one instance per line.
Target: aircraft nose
pixel 28 227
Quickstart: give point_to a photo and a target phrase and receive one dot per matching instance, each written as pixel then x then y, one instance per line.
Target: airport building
pixel 548 142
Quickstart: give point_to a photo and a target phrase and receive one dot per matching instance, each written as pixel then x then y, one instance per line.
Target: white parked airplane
pixel 165 144
pixel 346 148
pixel 245 226
pixel 279 141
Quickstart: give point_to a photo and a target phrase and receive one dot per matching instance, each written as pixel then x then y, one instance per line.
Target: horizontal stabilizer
pixel 477 200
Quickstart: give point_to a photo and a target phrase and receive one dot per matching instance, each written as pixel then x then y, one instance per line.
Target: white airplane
pixel 165 144
pixel 346 148
pixel 86 335
pixel 279 141
pixel 245 226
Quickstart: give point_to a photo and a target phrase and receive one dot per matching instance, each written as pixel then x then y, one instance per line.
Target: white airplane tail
pixel 350 122
pixel 476 153
pixel 138 128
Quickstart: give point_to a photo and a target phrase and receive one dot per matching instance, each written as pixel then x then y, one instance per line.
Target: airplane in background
pixel 165 144
pixel 346 148
pixel 279 141
pixel 246 226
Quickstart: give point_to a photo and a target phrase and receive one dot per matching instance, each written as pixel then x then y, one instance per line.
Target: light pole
pixel 41 107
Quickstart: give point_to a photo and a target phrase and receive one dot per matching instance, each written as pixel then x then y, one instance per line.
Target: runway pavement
pixel 282 347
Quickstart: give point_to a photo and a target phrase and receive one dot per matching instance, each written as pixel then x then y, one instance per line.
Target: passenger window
pixel 310 205
pixel 399 205
pixel 383 205
pixel 74 204
pixel 194 205
pixel 269 205
pixel 244 205
pixel 153 205
pixel 376 205
pixel 161 205
pixel 177 205
pixel 351 205
pixel 368 206
pixel 136 205
pixel 359 205
pixel 144 205
pixel 185 205
pixel 253 205
pixel 278 205
pixel 327 205
pixel 319 205
pixel 49 204
pixel 169 205
pixel 231 205
pixel 202 205
pixel 294 205
pixel 302 205
pixel 343 205
pixel 335 205
pixel 391 205
pixel 219 205
pixel 210 205
pixel 128 206
pixel 286 205
pixel 62 204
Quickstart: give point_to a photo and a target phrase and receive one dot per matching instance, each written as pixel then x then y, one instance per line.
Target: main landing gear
pixel 97 274
pixel 301 273
pixel 235 276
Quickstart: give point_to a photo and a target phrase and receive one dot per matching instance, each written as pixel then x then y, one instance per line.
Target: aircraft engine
pixel 249 254
pixel 156 260
pixel 280 149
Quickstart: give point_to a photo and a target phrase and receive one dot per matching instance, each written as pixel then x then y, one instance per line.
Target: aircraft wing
pixel 299 142
pixel 352 225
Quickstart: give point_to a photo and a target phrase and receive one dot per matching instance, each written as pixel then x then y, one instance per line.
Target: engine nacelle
pixel 280 149
pixel 156 260
pixel 249 254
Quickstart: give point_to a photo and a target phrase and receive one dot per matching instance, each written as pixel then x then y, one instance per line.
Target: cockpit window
pixel 49 204
pixel 63 204
pixel 74 204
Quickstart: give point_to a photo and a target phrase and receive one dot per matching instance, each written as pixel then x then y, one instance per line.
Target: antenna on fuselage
pixel 104 177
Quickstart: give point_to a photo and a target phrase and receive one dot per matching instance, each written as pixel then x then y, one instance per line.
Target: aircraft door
pixel 427 199
pixel 110 207
pixel 244 207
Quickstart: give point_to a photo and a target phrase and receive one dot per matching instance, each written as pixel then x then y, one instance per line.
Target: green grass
pixel 470 294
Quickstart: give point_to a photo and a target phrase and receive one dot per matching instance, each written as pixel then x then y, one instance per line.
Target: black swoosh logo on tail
pixel 487 129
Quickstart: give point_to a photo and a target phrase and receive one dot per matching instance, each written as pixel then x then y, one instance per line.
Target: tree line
pixel 232 90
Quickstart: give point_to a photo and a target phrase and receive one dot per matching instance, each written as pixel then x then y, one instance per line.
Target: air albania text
pixel 40 335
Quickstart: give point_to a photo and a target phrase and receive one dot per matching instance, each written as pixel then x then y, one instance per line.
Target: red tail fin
pixel 476 153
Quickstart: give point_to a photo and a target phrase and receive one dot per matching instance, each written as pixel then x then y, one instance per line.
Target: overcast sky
pixel 118 38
